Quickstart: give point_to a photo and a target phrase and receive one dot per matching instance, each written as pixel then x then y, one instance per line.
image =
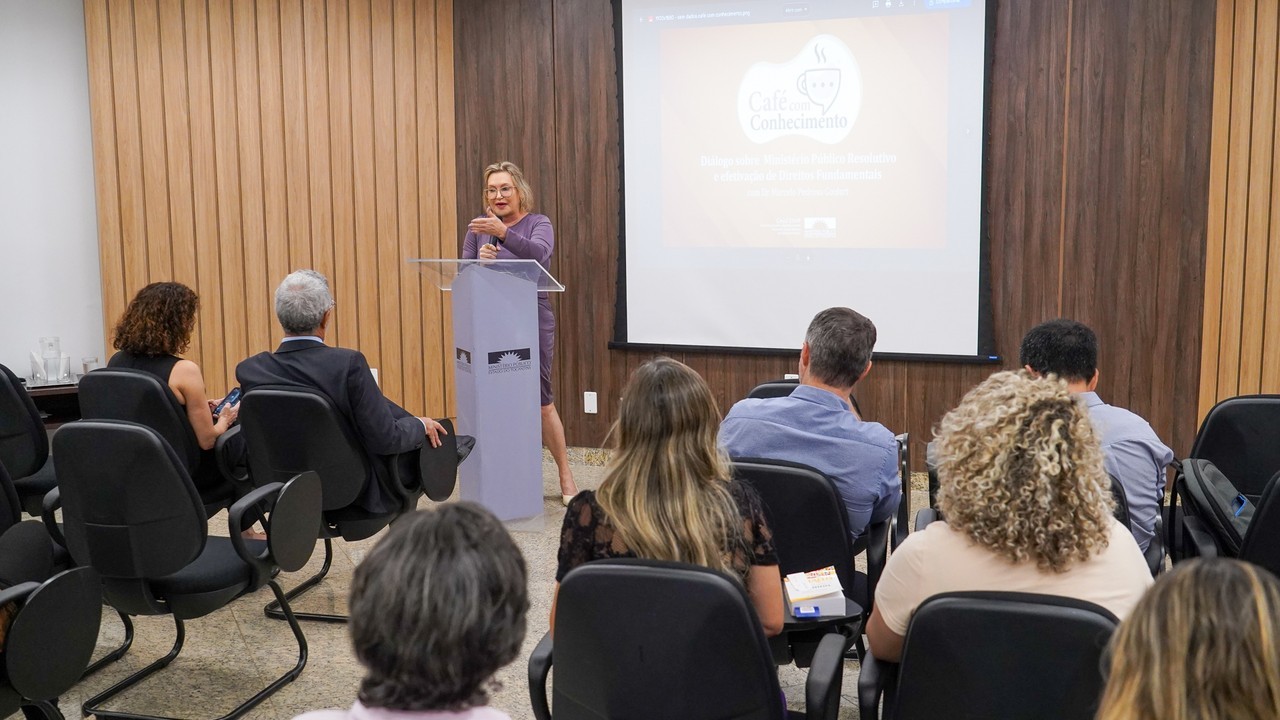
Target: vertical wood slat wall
pixel 237 140
pixel 1241 350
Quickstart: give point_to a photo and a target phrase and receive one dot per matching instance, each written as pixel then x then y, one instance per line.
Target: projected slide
pixel 782 157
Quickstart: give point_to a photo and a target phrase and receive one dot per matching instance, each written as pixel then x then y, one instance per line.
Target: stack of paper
pixel 815 593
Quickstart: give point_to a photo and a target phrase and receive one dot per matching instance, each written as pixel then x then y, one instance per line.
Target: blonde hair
pixel 1021 472
pixel 1201 644
pixel 666 491
pixel 517 179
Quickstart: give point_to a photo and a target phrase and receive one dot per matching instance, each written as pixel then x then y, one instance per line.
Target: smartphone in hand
pixel 232 398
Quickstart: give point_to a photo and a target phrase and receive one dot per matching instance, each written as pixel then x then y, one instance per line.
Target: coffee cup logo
pixel 816 94
pixel 820 85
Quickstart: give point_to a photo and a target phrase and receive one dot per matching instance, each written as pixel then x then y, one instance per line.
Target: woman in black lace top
pixel 667 494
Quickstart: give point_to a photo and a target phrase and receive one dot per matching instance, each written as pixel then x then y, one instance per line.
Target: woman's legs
pixel 553 438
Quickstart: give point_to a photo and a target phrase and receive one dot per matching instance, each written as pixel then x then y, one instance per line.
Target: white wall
pixel 49 281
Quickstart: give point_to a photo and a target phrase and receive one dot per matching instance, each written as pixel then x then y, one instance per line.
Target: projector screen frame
pixel 986 350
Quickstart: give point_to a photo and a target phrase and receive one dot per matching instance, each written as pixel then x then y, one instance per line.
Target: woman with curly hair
pixel 668 495
pixel 1201 644
pixel 1027 508
pixel 154 330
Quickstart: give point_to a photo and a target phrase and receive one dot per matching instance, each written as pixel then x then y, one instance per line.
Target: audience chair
pixel 811 531
pixel 1261 542
pixel 24 445
pixel 903 518
pixel 783 388
pixel 49 642
pixel 291 430
pixel 993 655
pixel 131 512
pixel 140 397
pixel 1154 554
pixel 642 639
pixel 931 465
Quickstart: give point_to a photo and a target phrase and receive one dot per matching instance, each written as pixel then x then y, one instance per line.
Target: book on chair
pixel 815 593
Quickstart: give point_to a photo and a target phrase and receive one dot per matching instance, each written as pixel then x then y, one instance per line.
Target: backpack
pixel 1213 499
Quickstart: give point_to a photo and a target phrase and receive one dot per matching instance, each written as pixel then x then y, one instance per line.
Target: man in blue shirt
pixel 816 426
pixel 1131 451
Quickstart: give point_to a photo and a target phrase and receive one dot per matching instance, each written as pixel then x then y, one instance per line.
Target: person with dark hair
pixel 816 425
pixel 154 330
pixel 437 608
pixel 1131 450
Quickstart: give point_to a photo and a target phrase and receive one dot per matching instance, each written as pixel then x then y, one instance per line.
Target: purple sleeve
pixel 536 244
pixel 470 246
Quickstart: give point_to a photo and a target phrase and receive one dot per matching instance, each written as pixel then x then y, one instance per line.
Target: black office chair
pixel 644 639
pixel 811 531
pixel 1154 554
pixel 1238 436
pixel 783 388
pixel 931 465
pixel 131 512
pixel 291 430
pixel 140 397
pixel 993 655
pixel 49 642
pixel 24 446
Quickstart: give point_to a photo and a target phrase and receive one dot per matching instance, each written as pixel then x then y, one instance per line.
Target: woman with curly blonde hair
pixel 1027 508
pixel 1203 643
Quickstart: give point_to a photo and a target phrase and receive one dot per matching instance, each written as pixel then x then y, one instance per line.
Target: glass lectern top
pixel 443 272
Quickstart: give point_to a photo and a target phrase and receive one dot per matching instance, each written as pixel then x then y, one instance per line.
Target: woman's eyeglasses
pixel 504 191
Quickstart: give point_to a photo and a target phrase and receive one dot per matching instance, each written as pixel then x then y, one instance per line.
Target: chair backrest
pixel 10 504
pixel 804 511
pixel 1006 655
pixel 1261 544
pixel 24 447
pixel 645 639
pixel 1122 501
pixel 773 389
pixel 129 509
pixel 290 430
pixel 1238 435
pixel 140 397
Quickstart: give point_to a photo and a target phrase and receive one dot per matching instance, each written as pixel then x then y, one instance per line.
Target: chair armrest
pixel 293 521
pixel 926 516
pixel 1205 546
pixel 900 528
pixel 52 503
pixel 874 677
pixel 826 679
pixel 878 539
pixel 539 667
pixel 17 593
pixel 221 454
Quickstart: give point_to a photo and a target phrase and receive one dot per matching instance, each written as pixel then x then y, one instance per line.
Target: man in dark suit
pixel 304 306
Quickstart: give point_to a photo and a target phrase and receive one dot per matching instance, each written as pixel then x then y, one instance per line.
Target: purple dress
pixel 530 239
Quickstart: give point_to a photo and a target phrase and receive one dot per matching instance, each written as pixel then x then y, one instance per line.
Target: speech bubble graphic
pixel 816 94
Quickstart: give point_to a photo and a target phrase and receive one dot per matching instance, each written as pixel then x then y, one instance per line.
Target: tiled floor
pixel 235 651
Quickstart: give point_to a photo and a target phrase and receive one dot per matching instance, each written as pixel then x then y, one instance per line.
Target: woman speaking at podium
pixel 508 231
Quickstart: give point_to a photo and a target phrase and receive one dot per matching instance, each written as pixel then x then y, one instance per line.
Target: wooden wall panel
pixel 1096 201
pixel 1242 268
pixel 236 140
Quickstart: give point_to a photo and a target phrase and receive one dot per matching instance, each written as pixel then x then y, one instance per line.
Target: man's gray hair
pixel 840 342
pixel 302 300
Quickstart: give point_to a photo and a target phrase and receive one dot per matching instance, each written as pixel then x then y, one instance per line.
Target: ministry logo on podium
pixel 505 361
pixel 462 359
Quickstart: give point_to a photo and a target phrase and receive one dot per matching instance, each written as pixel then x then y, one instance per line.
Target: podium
pixel 495 358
